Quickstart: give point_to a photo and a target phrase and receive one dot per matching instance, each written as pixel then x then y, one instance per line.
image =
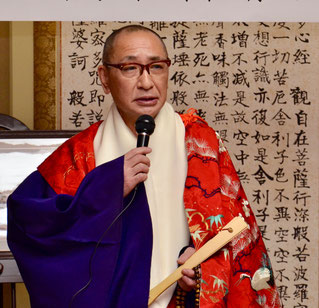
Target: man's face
pixel 144 94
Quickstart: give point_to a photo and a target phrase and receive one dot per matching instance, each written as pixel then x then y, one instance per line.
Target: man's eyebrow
pixel 154 58
pixel 134 58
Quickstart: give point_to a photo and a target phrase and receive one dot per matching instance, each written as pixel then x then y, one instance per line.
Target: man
pixel 101 222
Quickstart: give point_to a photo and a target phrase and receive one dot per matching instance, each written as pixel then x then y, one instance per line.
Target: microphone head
pixel 145 124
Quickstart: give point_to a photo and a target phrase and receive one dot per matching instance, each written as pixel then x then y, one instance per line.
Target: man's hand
pixel 136 168
pixel 187 282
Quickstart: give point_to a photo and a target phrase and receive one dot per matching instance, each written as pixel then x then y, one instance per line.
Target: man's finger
pixel 136 151
pixel 186 283
pixel 140 168
pixel 186 255
pixel 137 159
pixel 188 272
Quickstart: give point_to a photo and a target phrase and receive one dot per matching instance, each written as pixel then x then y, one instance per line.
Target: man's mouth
pixel 147 100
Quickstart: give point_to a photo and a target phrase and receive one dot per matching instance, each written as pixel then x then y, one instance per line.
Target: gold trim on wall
pixel 5 67
pixel 44 75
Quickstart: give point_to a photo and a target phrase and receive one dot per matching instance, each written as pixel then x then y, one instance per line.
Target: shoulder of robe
pixel 198 129
pixel 66 167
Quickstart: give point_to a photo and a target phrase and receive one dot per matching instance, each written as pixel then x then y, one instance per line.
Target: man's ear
pixel 104 77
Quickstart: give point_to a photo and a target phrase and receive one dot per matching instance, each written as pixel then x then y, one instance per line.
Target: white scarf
pixel 164 186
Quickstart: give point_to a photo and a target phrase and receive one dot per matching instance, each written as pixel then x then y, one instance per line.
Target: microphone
pixel 144 127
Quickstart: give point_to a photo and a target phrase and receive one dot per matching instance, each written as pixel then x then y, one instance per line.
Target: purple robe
pixel 53 237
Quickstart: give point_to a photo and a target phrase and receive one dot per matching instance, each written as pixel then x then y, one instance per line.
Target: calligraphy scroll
pixel 257 85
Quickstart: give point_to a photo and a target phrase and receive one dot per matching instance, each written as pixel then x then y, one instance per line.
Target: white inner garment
pixel 164 186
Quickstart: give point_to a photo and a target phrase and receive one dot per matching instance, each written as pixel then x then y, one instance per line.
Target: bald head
pixel 109 43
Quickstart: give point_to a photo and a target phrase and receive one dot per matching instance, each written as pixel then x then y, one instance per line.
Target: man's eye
pixel 157 66
pixel 129 68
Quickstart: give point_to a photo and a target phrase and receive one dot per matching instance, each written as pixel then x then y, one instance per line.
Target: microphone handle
pixel 142 140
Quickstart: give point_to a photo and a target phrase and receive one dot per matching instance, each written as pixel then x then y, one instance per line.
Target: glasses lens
pixel 158 68
pixel 130 70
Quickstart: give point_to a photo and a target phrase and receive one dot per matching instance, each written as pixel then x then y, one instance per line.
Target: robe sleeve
pixel 53 236
pixel 239 274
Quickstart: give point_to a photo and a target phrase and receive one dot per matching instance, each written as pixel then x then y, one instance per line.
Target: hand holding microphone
pixel 136 163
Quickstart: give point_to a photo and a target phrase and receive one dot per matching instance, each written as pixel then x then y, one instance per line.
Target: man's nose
pixel 145 80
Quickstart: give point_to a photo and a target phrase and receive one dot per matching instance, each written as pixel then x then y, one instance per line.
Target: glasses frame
pixel 142 66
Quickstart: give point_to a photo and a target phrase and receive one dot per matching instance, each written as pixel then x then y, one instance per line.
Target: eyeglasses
pixel 132 70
